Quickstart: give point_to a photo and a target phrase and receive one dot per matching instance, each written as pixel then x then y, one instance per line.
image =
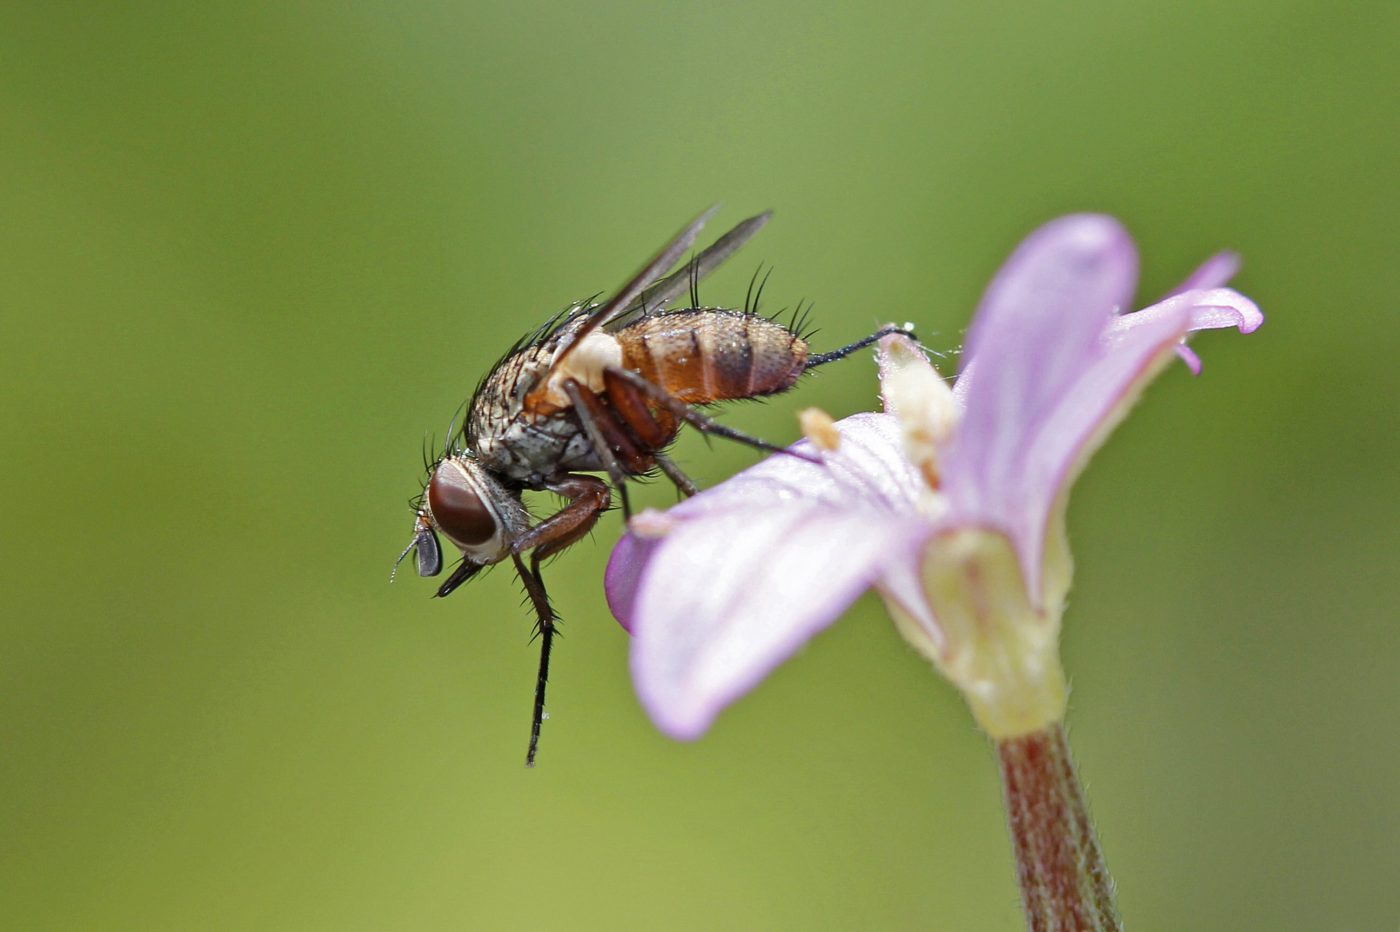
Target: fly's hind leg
pixel 588 498
pixel 631 408
pixel 821 359
pixel 701 422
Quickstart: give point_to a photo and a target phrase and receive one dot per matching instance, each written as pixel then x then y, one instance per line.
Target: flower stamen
pixel 917 396
pixel 818 427
pixel 651 524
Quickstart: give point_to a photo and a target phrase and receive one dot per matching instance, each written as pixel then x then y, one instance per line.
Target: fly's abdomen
pixel 702 356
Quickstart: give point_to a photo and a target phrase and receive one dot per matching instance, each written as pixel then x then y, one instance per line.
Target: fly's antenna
pixel 395 571
pixel 822 359
pixel 425 542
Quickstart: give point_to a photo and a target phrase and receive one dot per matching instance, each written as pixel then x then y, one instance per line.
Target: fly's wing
pixel 657 295
pixel 621 301
pixel 648 291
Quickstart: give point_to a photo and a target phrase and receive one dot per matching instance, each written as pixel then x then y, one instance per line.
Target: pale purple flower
pixel 950 505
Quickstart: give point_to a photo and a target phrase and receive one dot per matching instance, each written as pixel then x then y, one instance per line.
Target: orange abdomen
pixel 702 356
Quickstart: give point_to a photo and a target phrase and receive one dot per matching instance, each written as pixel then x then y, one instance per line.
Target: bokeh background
pixel 252 254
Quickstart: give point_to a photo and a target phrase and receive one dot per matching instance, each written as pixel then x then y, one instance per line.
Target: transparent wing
pixel 648 291
pixel 619 302
pixel 657 295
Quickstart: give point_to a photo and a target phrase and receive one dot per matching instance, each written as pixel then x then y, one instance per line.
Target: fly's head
pixel 479 515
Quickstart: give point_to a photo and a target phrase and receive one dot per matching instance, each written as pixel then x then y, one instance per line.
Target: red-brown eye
pixel 457 508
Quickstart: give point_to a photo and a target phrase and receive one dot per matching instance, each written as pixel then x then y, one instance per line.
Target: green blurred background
pixel 252 254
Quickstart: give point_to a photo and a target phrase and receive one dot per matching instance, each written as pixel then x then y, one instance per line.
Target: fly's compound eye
pixel 457 507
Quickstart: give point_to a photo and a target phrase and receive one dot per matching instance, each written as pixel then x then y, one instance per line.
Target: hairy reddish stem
pixel 1065 886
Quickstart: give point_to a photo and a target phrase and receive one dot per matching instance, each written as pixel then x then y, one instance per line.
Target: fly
pixel 599 388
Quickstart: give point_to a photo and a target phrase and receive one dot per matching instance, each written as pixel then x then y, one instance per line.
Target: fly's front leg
pixel 534 588
pixel 588 498
pixel 701 422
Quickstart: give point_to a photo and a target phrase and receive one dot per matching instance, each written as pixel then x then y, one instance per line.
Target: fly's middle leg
pixel 684 484
pixel 619 452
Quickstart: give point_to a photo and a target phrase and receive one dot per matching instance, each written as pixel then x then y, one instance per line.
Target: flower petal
pixel 1207 309
pixel 623 576
pixel 1088 411
pixel 1210 309
pixel 1215 272
pixel 868 471
pixel 1131 352
pixel 1038 325
pixel 755 567
pixel 1187 355
pixel 1037 330
pixel 1044 310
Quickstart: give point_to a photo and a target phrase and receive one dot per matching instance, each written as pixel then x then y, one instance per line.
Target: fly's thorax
pixel 501 397
pixel 473 510
pixel 531 449
pixel 520 443
pixel 498 411
pixel 584 363
pixel 712 354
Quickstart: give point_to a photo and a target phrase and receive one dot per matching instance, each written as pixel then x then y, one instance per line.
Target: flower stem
pixel 1065 886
